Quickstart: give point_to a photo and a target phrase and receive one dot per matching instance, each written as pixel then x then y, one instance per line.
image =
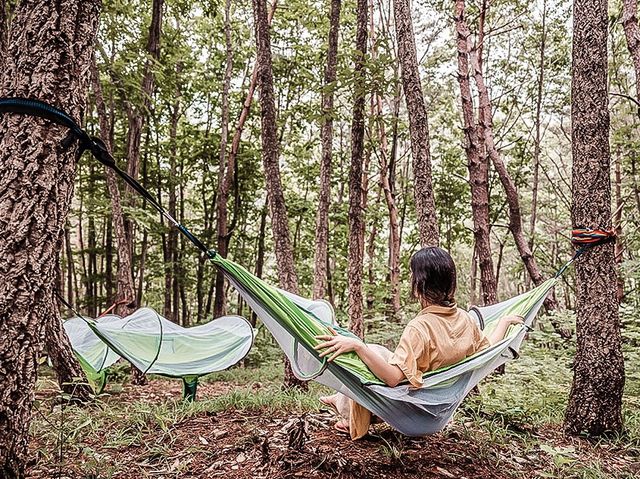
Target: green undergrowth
pixel 515 417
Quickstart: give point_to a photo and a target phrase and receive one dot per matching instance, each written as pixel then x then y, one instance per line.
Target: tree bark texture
pixel 4 29
pixel 418 125
pixel 477 162
pixel 595 400
pixel 356 191
pixel 48 58
pixel 270 159
pixel 326 138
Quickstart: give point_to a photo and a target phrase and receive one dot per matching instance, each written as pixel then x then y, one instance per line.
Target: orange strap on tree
pixel 592 237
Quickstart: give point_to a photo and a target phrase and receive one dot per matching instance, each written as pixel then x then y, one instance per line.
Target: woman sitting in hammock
pixel 440 335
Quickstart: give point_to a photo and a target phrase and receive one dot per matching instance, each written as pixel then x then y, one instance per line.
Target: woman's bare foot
pixel 329 401
pixel 342 426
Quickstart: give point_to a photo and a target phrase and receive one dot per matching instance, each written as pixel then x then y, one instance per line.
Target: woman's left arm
pixel 337 344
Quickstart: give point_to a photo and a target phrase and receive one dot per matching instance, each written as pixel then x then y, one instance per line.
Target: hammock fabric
pixel 412 411
pixel 156 345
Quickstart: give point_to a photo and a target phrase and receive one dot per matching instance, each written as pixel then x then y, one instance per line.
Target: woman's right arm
pixel 337 344
pixel 500 330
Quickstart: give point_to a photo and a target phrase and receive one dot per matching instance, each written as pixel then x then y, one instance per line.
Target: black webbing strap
pixel 66 304
pixel 98 149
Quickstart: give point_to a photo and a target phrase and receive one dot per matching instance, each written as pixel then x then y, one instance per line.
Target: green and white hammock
pixel 294 322
pixel 156 345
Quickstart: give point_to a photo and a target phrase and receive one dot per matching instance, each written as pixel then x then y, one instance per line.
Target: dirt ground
pixel 260 444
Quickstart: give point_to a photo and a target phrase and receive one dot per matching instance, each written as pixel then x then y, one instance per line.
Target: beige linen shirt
pixel 439 336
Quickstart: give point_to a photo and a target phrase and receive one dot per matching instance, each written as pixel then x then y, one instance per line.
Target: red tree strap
pixel 589 237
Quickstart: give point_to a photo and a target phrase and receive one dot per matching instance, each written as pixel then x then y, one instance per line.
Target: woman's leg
pixel 355 418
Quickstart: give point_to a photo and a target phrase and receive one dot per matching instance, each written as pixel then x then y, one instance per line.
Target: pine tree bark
pixel 595 401
pixel 477 162
pixel 356 191
pixel 48 57
pixel 326 135
pixel 270 159
pixel 418 125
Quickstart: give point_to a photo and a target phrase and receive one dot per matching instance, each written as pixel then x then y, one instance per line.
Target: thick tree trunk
pixel 595 400
pixel 356 191
pixel 326 135
pixel 275 195
pixel 36 185
pixel 418 125
pixel 477 163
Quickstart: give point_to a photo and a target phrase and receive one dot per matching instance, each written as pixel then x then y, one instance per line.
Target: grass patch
pixel 515 423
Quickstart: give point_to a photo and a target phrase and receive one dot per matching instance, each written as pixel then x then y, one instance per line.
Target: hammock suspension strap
pixel 586 238
pixel 97 148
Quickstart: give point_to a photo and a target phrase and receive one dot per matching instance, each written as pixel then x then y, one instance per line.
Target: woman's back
pixel 438 336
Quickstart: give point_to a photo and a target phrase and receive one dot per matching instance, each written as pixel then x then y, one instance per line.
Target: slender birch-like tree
pixel 356 191
pixel 418 125
pixel 326 138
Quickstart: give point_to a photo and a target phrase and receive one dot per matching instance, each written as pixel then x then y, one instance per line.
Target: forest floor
pixel 243 425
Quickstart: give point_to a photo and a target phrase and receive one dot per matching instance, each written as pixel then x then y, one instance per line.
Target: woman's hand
pixel 512 319
pixel 336 344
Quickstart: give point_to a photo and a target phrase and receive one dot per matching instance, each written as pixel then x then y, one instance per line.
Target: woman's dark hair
pixel 433 276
